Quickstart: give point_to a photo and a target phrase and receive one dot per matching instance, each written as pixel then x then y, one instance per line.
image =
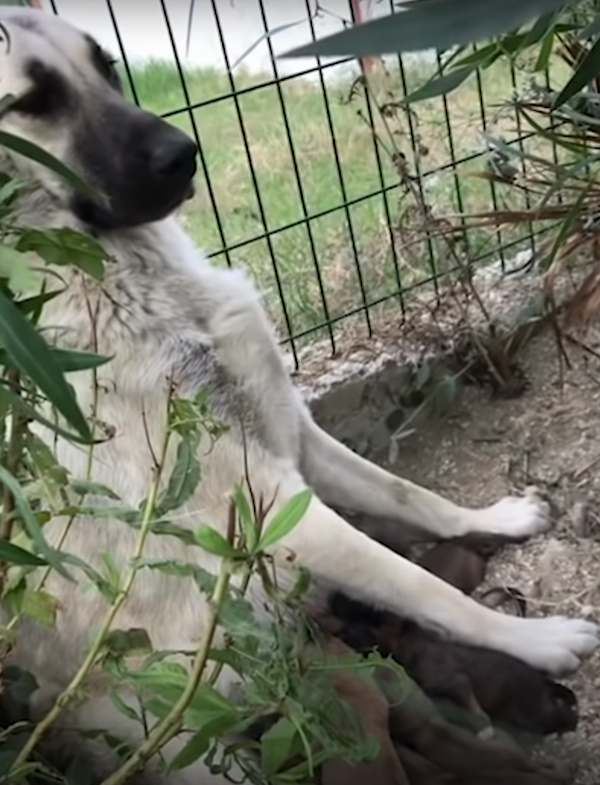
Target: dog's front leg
pixel 340 557
pixel 344 479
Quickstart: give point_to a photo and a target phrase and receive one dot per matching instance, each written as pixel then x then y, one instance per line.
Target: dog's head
pixel 68 100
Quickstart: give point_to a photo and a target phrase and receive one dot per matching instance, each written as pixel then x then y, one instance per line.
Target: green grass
pixel 159 90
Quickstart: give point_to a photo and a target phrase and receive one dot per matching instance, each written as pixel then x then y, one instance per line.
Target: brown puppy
pixel 372 707
pixel 483 683
pixel 434 751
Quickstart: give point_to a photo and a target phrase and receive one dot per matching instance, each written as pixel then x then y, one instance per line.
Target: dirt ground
pixel 549 437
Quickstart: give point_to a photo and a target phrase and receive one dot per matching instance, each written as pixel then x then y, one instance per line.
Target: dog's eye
pixel 48 95
pixel 105 64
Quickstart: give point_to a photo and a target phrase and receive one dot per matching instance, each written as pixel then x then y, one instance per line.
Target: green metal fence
pixel 330 191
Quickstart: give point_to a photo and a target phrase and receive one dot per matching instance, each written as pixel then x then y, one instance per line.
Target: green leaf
pixel 85 487
pixel 196 747
pixel 166 683
pixel 30 522
pixel 8 396
pixel 542 28
pixel 34 305
pixel 566 226
pixel 428 24
pixel 543 60
pixel 286 519
pixel 11 554
pixel 14 269
pixel 249 525
pixel 113 571
pixel 301 586
pixel 440 85
pixel 40 606
pixel 587 70
pixel 184 479
pixel 204 580
pixel 65 246
pixel 32 355
pixel 103 586
pixel 40 156
pixel 592 30
pixel 278 745
pixel 44 465
pixel 132 641
pixel 69 361
pixel 215 725
pixel 124 708
pixel 213 542
pixel 10 190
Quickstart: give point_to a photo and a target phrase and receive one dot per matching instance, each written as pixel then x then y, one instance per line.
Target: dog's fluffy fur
pixel 164 313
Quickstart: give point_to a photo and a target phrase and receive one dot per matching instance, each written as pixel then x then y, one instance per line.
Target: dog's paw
pixel 555 644
pixel 515 517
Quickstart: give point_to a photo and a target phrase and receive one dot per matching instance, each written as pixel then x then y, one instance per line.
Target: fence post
pixel 358 16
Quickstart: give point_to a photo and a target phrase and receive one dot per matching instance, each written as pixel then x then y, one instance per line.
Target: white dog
pixel 164 313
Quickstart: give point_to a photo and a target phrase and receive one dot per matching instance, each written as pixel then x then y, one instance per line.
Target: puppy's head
pixel 68 100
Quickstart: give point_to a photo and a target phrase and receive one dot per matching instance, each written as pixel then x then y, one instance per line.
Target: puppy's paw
pixel 556 644
pixel 515 517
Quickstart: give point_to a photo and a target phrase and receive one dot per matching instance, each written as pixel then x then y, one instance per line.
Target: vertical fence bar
pixel 195 131
pixel 377 152
pixel 493 192
pixel 553 126
pixel 259 201
pixel 417 162
pixel 450 137
pixel 383 189
pixel 122 51
pixel 513 79
pixel 298 178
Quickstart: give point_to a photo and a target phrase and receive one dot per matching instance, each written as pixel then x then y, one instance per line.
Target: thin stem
pixel 172 723
pixel 70 692
pixel 13 460
pixel 13 457
pixel 89 465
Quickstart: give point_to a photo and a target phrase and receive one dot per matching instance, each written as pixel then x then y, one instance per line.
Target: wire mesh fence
pixel 321 181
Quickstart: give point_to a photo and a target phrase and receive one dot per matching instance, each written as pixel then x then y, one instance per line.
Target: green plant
pixel 309 723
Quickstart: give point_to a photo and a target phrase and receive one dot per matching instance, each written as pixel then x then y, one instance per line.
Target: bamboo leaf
pixel 184 478
pixel 12 554
pixel 441 85
pixel 429 24
pixel 65 246
pixel 31 524
pixel 286 519
pixel 69 361
pixel 585 73
pixel 213 542
pixel 31 354
pixel 41 156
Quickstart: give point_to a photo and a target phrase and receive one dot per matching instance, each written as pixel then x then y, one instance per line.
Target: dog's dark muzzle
pixel 143 165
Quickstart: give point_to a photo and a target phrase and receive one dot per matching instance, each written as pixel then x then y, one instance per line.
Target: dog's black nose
pixel 174 157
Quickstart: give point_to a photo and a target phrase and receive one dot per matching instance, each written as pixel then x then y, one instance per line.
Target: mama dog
pixel 166 316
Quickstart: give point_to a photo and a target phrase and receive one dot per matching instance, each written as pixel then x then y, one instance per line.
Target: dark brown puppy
pixel 461 562
pixel 421 771
pixel 434 751
pixel 483 683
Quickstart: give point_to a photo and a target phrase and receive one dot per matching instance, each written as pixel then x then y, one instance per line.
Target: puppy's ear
pixel 565 707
